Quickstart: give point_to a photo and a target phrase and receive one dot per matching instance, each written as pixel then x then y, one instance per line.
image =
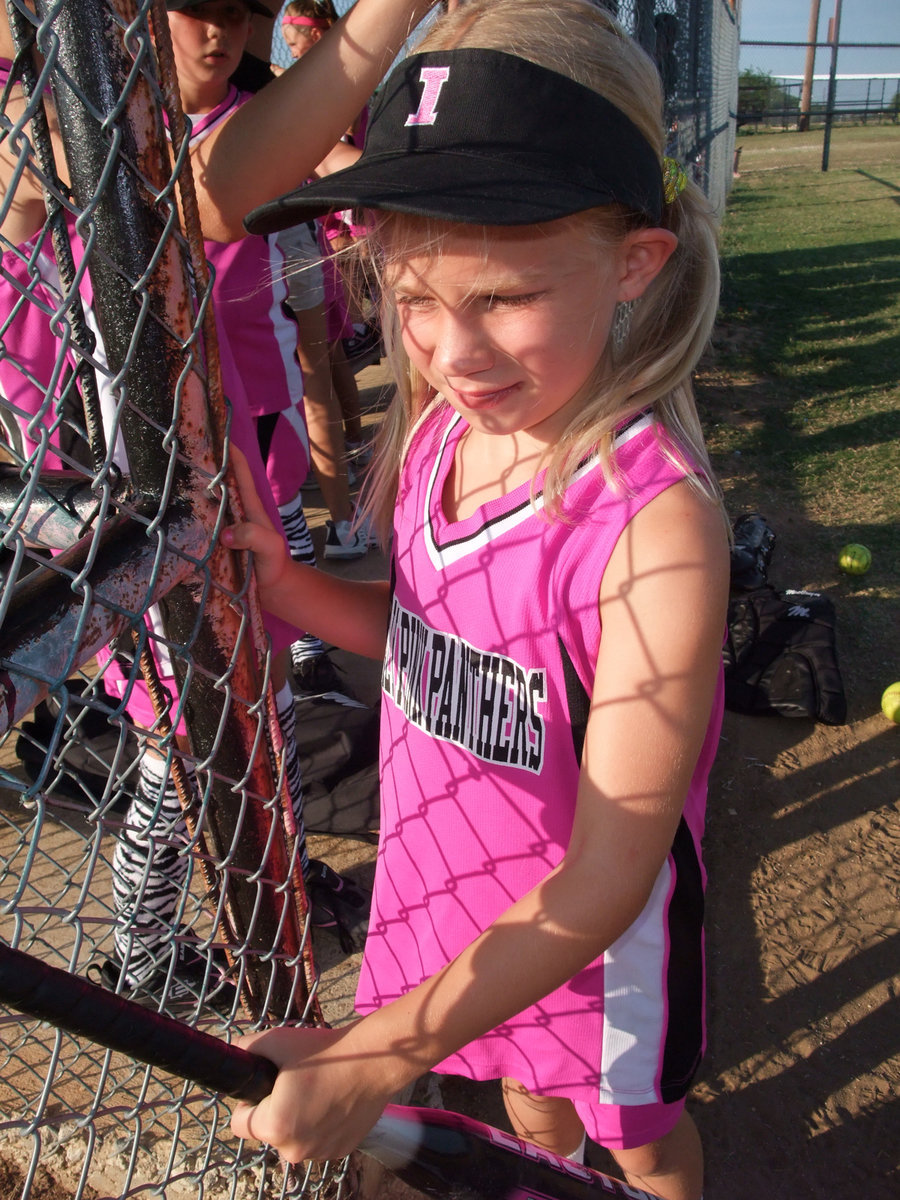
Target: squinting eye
pixel 495 301
pixel 411 301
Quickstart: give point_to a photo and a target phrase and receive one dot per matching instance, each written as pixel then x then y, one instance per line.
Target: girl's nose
pixel 461 345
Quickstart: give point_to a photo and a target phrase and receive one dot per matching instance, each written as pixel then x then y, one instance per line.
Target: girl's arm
pixel 26 212
pixel 276 139
pixel 340 156
pixel 352 614
pixel 663 608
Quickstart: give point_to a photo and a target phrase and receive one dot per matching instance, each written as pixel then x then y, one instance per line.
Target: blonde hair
pixel 324 10
pixel 670 324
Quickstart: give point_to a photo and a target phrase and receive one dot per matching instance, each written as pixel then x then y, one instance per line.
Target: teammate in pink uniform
pixel 552 687
pixel 303 24
pixel 256 153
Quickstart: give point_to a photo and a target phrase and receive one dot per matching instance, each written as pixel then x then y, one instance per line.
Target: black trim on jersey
pixel 447 543
pixel 475 533
pixel 392 588
pixel 289 315
pixel 578 700
pixel 438 475
pixel 265 431
pixel 684 977
pixel 202 124
pixel 622 429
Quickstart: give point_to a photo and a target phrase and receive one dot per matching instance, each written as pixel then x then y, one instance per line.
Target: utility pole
pixel 812 37
pixel 834 36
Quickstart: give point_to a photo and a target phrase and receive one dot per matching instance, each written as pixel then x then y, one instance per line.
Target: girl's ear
pixel 644 254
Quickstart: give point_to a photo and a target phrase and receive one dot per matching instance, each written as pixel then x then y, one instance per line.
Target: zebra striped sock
pixel 287 720
pixel 308 646
pixel 296 530
pixel 149 872
pixel 300 544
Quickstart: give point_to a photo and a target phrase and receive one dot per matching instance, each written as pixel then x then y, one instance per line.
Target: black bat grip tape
pixel 82 1008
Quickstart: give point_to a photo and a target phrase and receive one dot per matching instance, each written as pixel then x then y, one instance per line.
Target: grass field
pixel 801 395
pixel 851 147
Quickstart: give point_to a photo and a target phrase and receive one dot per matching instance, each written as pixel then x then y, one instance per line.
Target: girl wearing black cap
pixel 552 688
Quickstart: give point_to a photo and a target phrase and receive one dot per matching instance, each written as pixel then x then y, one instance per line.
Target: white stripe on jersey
pixel 444 555
pixel 284 328
pixel 634 1009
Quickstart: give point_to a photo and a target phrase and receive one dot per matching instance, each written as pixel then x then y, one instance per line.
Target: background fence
pixel 699 63
pixel 112 495
pixel 858 100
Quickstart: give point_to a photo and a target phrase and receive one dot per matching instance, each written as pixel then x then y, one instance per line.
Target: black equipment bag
pixel 780 655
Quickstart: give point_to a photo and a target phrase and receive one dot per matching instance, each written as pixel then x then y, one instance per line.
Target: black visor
pixel 485 138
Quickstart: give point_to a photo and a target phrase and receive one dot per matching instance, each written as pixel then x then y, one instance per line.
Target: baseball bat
pixel 442 1154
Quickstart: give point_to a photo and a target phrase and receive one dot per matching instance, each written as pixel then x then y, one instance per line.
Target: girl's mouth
pixel 484 400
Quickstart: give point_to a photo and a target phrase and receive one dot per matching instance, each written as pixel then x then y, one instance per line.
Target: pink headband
pixel 312 22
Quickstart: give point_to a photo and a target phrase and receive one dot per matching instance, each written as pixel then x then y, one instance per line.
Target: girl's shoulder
pixel 642 459
pixel 603 498
pixel 647 453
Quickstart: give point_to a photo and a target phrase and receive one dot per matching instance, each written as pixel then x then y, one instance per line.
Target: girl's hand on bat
pixel 328 1094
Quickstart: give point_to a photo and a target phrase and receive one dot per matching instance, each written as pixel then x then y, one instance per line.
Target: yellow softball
pixel 855 559
pixel 890 702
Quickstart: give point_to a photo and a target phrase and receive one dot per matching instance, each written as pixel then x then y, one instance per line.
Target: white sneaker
pixel 365 529
pixel 342 541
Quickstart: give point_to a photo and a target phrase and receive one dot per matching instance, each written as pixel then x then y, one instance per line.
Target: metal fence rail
pixel 112 495
pixel 879 103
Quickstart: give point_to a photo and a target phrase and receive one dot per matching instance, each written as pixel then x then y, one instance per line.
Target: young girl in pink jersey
pixel 552 690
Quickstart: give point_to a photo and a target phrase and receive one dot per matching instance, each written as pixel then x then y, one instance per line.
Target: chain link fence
pixel 130 639
pixel 696 46
pixel 131 644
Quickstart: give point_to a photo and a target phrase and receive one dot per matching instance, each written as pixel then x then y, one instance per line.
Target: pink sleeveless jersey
pixel 252 314
pixel 35 370
pixel 31 379
pixel 492 645
pixel 29 383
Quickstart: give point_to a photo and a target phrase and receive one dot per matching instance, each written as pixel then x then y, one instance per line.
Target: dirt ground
pixel 800 1092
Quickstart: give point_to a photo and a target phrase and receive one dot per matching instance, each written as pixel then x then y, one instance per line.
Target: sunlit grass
pixel 801 396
